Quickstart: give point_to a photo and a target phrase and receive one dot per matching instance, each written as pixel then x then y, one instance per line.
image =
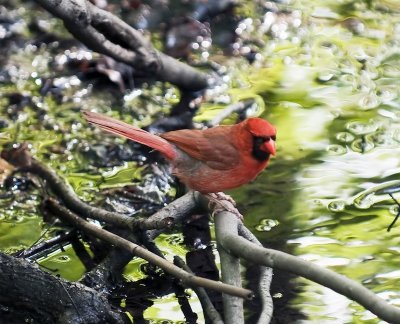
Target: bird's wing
pixel 213 146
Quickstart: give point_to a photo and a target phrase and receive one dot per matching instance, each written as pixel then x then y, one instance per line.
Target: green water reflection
pixel 330 81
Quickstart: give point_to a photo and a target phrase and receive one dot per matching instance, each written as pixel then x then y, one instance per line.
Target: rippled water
pixel 328 77
pixel 338 158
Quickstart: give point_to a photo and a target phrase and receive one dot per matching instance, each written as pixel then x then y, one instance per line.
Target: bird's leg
pixel 222 196
pixel 220 201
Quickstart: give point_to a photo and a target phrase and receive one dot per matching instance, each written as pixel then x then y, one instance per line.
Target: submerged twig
pixel 397 215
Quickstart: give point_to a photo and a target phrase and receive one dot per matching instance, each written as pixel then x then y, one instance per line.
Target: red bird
pixel 210 160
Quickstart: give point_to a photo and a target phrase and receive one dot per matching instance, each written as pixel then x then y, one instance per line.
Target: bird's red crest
pixel 260 127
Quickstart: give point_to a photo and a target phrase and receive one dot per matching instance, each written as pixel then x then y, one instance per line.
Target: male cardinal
pixel 210 160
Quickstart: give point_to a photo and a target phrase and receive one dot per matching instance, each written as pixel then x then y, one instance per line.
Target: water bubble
pixel 360 128
pixel 337 206
pixel 348 79
pixel 345 137
pixel 325 76
pixel 362 145
pixel 364 201
pixel 394 209
pixel 369 101
pixel 387 93
pixel 205 55
pixel 378 138
pixel 175 240
pixel 396 135
pixel 266 225
pixel 317 202
pixel 62 259
pixel 337 149
pixel 205 43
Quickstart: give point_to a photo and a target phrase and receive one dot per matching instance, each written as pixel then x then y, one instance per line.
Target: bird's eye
pixel 268 138
pixel 259 140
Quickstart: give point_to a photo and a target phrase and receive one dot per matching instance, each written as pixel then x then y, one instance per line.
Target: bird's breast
pixel 199 176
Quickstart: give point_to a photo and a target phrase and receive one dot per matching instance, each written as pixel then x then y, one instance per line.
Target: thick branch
pixel 107 34
pixel 176 211
pixel 230 268
pixel 44 298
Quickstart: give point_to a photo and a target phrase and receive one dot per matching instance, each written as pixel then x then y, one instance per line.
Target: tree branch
pixel 68 196
pixel 264 284
pixel 105 33
pixel 230 268
pixel 22 159
pixel 43 298
pixel 229 110
pixel 187 279
pixel 208 307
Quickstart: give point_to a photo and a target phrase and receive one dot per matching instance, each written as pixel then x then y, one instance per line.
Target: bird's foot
pixel 220 201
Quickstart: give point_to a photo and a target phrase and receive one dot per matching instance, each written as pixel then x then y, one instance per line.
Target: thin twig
pixel 79 316
pixel 45 247
pixel 64 191
pixel 264 284
pixel 397 215
pixel 187 279
pixel 201 293
pixel 227 111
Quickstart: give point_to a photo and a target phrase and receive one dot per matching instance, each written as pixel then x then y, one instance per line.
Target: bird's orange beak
pixel 270 146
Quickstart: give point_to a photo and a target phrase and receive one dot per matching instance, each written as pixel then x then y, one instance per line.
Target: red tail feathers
pixel 133 133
